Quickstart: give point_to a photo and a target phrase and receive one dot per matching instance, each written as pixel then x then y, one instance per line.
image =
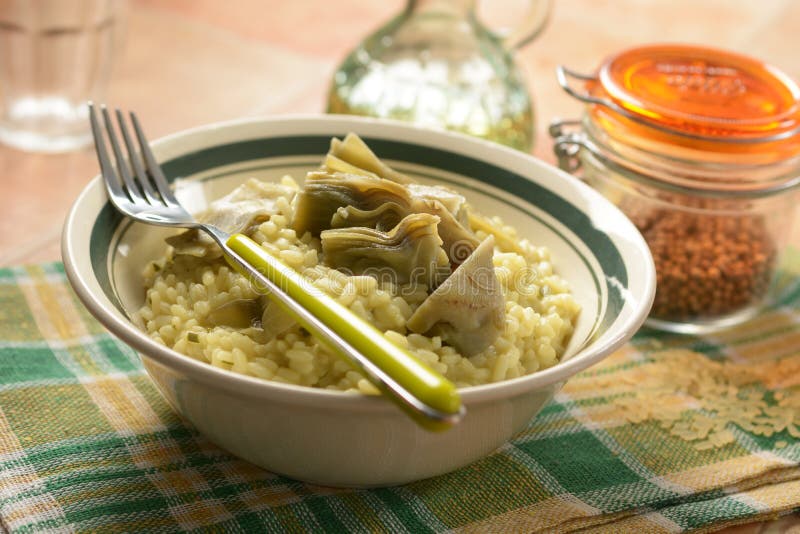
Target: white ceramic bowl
pixel 344 439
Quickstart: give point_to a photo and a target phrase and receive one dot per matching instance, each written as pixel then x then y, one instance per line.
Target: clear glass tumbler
pixel 54 57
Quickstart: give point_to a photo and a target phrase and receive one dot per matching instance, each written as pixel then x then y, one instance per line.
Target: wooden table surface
pixel 189 62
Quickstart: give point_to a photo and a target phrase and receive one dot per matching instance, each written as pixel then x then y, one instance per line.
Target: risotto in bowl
pixel 395 222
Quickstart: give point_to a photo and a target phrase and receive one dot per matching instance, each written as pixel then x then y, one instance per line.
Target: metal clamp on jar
pixel 701 149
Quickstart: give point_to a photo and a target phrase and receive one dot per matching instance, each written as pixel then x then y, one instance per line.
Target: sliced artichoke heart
pixel 354 151
pixel 238 313
pixel 324 194
pixel 409 252
pixel 468 309
pixel 275 320
pixel 454 202
pixel 383 218
pixel 334 164
pixel 505 242
pixel 458 241
pixel 240 211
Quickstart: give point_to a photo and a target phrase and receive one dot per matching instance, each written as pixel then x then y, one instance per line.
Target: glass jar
pixel 701 149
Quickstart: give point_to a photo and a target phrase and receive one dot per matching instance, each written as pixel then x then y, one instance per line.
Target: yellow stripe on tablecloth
pixel 610 416
pixel 622 356
pixel 545 514
pixel 766 337
pixel 118 399
pixel 553 425
pixel 640 524
pixel 768 349
pixel 261 498
pixel 42 506
pixel 776 476
pixel 53 309
pixel 776 497
pixel 177 485
pixel 104 490
pixel 52 306
pixel 8 440
pixel 728 472
pixel 123 405
pixel 605 386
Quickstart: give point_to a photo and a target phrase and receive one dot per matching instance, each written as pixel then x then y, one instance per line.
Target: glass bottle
pixel 437 65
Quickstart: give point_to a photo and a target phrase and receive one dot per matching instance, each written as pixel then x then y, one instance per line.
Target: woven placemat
pixel 670 433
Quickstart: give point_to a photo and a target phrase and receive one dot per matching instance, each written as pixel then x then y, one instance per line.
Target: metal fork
pixel 138 188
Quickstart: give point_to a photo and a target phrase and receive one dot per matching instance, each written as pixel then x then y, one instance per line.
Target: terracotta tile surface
pixel 323 29
pixel 187 72
pixel 36 194
pixel 189 62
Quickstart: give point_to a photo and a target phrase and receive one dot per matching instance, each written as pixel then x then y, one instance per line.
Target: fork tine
pixel 133 191
pixel 152 166
pixel 106 168
pixel 140 176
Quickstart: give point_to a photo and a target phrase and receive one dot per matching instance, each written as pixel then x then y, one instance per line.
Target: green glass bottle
pixel 436 64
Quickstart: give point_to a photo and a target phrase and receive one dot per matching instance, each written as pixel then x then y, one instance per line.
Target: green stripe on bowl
pixel 604 249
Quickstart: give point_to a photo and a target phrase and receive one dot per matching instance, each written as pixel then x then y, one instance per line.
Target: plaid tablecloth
pixel 670 433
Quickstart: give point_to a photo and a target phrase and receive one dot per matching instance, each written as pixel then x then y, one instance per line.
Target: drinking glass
pixel 55 55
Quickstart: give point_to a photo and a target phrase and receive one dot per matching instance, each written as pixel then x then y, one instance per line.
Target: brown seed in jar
pixel 706 265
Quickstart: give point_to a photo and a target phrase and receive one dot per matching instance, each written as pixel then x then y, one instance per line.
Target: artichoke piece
pixel 454 202
pixel 334 164
pixel 505 242
pixel 355 152
pixel 260 313
pixel 458 241
pixel 240 211
pixel 409 252
pixel 324 194
pixel 468 309
pixel 451 207
pixel 382 218
pixel 239 313
pixel 275 320
pixel 353 156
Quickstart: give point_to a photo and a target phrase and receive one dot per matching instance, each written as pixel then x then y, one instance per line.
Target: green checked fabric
pixel 644 442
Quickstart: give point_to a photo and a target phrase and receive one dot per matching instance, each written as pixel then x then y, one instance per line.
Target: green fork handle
pixel 397 373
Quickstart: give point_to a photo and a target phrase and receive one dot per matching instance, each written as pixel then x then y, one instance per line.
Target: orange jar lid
pixel 693 103
pixel 704 92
